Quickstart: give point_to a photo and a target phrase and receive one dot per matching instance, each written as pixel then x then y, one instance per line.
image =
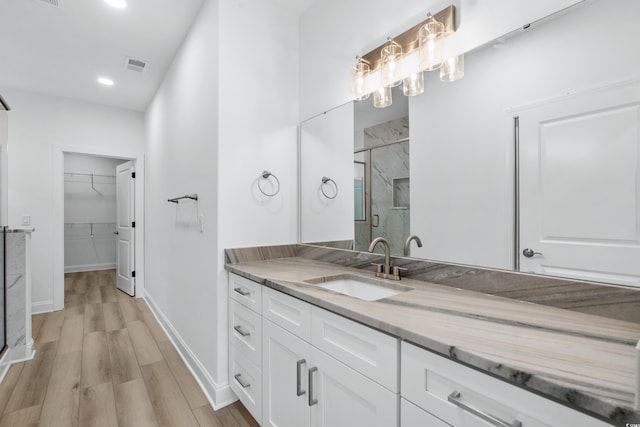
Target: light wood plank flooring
pixel 105 361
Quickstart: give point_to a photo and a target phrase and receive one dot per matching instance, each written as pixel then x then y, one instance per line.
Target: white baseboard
pixel 89 267
pixel 41 307
pixel 218 396
pixel 5 364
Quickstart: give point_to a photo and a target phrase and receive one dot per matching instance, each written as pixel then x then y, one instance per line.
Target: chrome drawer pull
pixel 455 399
pixel 242 292
pixel 241 331
pixel 312 399
pixel 299 390
pixel 242 382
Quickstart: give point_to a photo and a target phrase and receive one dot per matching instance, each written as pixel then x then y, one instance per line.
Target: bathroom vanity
pixel 315 339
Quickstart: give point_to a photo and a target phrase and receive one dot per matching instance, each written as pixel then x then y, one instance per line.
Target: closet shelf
pixel 90 178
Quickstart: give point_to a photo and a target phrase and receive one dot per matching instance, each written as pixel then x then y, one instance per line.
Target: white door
pixel 342 397
pixel 285 365
pixel 580 186
pixel 125 224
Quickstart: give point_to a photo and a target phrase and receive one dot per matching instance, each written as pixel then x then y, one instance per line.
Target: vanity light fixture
pixel 118 4
pixel 431 44
pixel 405 58
pixel 105 81
pixel 360 73
pixel 382 97
pixel 452 69
pixel 414 84
pixel 391 58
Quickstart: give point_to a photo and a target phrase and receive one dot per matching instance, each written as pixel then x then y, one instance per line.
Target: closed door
pixel 579 184
pixel 285 365
pixel 125 222
pixel 342 397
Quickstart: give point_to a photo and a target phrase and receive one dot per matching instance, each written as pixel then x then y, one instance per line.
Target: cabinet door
pixel 346 398
pixel 286 360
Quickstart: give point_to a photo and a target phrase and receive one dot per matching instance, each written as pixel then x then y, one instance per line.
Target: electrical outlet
pixel 26 220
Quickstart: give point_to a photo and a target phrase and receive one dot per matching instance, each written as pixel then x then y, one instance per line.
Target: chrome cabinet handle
pixel 528 252
pixel 241 331
pixel 242 382
pixel 312 399
pixel 455 399
pixel 299 390
pixel 242 292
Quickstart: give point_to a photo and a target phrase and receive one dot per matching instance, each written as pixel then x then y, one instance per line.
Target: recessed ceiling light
pixel 105 81
pixel 118 4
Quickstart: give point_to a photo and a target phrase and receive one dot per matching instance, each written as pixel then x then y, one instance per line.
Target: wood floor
pixel 105 361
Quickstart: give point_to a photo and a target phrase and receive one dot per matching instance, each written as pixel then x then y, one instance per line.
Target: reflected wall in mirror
pixel 571 97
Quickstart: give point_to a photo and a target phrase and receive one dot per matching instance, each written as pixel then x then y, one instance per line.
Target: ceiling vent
pixel 137 65
pixel 53 3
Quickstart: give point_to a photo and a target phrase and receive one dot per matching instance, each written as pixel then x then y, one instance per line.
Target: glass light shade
pixel 358 81
pixel 391 58
pixel 414 84
pixel 431 44
pixel 382 97
pixel 452 69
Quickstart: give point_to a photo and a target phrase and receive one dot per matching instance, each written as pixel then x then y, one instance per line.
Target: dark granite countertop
pixel 584 361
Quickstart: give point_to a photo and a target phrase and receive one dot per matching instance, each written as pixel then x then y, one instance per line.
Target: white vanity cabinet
pixel 463 397
pixel 245 343
pixel 304 385
pixel 314 368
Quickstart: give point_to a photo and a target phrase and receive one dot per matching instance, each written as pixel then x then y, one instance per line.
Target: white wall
pixel 333 32
pixel 89 212
pixel 37 124
pixel 220 118
pixel 182 157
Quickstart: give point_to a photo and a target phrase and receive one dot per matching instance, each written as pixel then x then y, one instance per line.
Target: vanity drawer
pixel 245 379
pixel 245 331
pixel 246 292
pixel 287 312
pixel 372 353
pixel 428 380
pixel 412 416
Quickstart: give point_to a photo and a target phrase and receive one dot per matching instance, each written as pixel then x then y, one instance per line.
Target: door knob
pixel 528 252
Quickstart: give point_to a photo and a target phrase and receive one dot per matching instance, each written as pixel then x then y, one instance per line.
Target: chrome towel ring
pixel 325 183
pixel 265 176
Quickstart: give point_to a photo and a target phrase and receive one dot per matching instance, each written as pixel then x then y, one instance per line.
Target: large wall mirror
pixel 530 162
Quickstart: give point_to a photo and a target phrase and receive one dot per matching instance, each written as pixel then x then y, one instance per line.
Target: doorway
pixel 101 220
pixel 98 217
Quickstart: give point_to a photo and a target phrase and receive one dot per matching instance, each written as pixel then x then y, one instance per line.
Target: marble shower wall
pixel 16 283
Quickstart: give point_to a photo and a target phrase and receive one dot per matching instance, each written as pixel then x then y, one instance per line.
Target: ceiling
pixel 61 50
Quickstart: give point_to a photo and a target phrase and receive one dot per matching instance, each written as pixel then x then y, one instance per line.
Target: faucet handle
pixel 396 271
pixel 379 268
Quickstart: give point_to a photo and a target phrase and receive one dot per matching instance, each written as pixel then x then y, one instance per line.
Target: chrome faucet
pixel 407 243
pixel 385 271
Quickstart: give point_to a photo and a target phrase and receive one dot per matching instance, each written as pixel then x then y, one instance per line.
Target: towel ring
pixel 325 181
pixel 265 175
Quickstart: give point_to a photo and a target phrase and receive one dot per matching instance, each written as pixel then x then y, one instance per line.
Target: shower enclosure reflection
pixel 381 179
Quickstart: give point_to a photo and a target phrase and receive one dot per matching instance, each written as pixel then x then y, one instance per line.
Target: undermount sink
pixel 360 287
